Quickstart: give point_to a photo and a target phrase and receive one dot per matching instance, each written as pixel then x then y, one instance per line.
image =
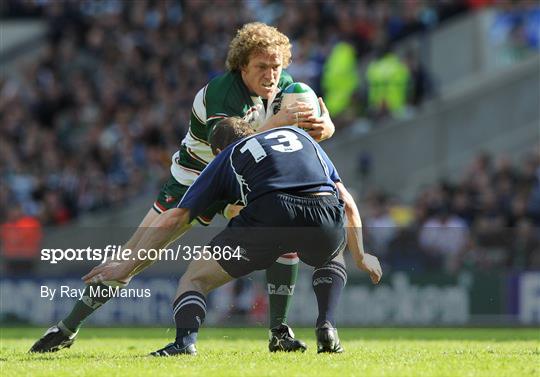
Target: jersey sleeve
pixel 215 100
pixel 216 182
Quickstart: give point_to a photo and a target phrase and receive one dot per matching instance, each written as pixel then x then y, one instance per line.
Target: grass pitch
pixel 243 352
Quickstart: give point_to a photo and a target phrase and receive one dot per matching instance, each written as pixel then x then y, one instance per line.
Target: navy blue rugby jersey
pixel 280 159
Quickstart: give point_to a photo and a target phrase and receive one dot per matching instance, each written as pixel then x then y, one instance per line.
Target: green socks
pixel 281 279
pixel 90 301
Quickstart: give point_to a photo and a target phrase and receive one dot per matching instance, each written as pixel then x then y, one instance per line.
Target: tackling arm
pixel 169 226
pixel 363 260
pixel 166 228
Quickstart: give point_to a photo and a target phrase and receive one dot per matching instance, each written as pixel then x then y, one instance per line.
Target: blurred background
pixel 437 111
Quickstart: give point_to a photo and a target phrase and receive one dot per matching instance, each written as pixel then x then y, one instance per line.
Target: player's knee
pixel 194 281
pixel 172 221
pixel 339 258
pixel 329 271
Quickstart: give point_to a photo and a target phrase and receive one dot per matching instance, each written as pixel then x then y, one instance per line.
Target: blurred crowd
pixel 489 219
pixel 92 122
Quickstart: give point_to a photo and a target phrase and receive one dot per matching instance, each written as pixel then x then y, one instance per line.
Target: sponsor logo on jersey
pixel 169 199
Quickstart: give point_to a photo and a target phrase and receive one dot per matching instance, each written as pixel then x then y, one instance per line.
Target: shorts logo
pixel 282 290
pixel 323 280
pixel 243 253
pixel 169 199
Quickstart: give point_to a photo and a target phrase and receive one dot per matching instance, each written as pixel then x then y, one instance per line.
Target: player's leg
pixel 322 247
pixel 281 279
pixel 88 304
pixel 328 282
pixel 203 276
pixel 189 307
pixel 63 334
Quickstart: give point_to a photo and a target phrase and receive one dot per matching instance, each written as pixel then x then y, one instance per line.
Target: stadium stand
pixel 92 122
pixel 111 92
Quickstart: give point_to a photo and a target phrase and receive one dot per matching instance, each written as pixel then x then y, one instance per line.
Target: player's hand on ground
pixel 109 271
pixel 320 128
pixel 371 265
pixel 295 114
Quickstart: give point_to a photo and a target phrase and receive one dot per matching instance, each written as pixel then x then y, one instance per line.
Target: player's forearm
pixel 355 241
pixel 169 226
pixel 270 123
pixel 363 261
pixel 165 229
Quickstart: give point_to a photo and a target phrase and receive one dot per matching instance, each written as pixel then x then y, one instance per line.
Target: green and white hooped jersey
pixel 223 97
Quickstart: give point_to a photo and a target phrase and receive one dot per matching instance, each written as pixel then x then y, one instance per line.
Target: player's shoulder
pixel 226 92
pixel 224 84
pixel 223 80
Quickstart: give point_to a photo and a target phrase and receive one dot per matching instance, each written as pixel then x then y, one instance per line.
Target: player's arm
pixel 300 114
pixel 320 128
pixel 363 260
pixel 297 114
pixel 167 227
pixel 211 185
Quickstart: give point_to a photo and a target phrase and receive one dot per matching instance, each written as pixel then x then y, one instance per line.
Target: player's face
pixel 261 74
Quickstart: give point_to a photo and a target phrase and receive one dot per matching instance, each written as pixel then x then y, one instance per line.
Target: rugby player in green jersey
pixel 249 89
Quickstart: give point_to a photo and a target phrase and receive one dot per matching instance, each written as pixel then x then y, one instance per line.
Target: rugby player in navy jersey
pixel 255 78
pixel 291 192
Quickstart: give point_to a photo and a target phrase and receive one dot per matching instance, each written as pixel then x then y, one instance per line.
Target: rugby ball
pixel 298 91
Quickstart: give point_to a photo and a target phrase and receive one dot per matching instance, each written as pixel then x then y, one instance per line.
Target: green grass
pixel 243 352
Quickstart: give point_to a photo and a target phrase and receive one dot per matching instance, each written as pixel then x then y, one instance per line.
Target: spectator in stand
pixel 380 227
pixel 462 206
pixel 514 31
pixel 388 81
pixel 491 238
pixel 20 240
pixel 421 83
pixel 405 253
pixel 446 237
pixel 340 78
pixel 525 247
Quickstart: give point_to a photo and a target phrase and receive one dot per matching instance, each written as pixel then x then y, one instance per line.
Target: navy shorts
pixel 279 223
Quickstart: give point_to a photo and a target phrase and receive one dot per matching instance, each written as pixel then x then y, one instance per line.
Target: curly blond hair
pixel 257 37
